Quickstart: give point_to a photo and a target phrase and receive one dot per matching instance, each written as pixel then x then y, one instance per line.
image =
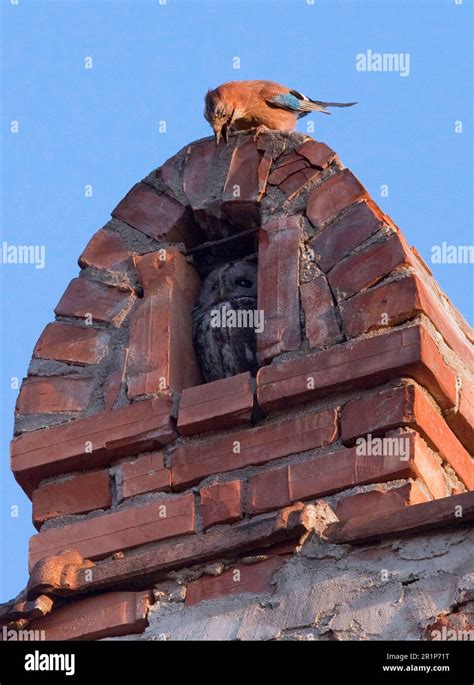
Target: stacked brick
pixel 362 407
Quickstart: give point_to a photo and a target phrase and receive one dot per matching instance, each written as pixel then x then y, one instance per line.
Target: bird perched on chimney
pixel 259 105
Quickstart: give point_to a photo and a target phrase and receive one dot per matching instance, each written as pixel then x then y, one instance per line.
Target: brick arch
pixel 123 327
pixel 358 340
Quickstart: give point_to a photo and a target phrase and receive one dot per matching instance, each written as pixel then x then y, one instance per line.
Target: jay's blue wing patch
pixel 296 102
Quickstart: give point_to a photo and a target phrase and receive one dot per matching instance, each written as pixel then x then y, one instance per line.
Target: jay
pixel 259 105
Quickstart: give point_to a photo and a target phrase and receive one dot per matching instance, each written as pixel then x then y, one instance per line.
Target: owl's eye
pixel 243 283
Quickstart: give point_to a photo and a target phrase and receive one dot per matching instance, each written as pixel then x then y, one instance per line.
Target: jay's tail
pixel 306 104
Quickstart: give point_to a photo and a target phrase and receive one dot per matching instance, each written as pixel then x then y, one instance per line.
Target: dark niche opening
pixel 225 316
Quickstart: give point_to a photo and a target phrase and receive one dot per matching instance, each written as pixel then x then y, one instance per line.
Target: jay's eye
pixel 243 283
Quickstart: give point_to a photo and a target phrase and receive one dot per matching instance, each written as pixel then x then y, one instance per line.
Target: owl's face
pixel 230 283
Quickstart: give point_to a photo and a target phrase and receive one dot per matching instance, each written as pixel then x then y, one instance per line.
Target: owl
pixel 224 320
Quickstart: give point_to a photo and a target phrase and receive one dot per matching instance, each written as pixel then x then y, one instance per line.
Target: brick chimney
pixel 278 507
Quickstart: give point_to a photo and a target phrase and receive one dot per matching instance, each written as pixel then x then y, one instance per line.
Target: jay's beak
pixel 220 131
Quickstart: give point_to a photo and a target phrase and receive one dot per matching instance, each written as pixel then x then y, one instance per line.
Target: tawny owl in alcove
pixel 225 350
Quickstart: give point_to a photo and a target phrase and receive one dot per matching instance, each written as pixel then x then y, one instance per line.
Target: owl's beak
pixel 222 293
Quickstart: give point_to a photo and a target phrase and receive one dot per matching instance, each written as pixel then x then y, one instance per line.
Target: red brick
pixel 278 273
pixel 156 362
pixel 145 474
pixel 330 473
pixel 462 421
pixel 321 326
pixel 281 173
pixel 225 403
pixel 221 503
pixel 418 293
pixel 97 301
pixel 193 462
pixel 113 381
pixel 264 170
pixel 170 174
pixel 286 159
pixel 359 363
pixel 111 614
pixel 378 502
pixel 319 154
pixel 121 530
pixel 341 236
pixel 410 521
pixel 46 394
pixel 158 216
pixel 255 578
pixel 328 199
pixel 69 343
pixel 268 490
pixel 385 305
pixel 77 495
pixel 105 250
pixel 198 169
pixel 427 468
pixel 243 174
pixel 292 185
pixel 362 269
pixel 92 441
pixel 407 406
pixel 398 301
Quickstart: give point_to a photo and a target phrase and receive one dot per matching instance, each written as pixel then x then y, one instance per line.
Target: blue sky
pixel 153 61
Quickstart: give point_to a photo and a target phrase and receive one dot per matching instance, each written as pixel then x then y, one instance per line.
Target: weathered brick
pixel 96 301
pixel 359 363
pixel 253 446
pixel 340 237
pixel 241 184
pixel 255 578
pixel 398 300
pixel 221 503
pixel 328 199
pixel 145 474
pixel 281 173
pixel 77 495
pixel 319 154
pixel 321 325
pixel 225 403
pixel 377 502
pixel 385 305
pixel 111 614
pixel 105 250
pixel 114 379
pixel 268 490
pixel 158 216
pixel 462 421
pixel 406 405
pixel 198 168
pixel 345 468
pixel 410 521
pixel 363 269
pixel 92 441
pixel 46 394
pixel 68 343
pixel 121 530
pixel 278 268
pixel 292 185
pixel 161 353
